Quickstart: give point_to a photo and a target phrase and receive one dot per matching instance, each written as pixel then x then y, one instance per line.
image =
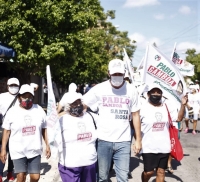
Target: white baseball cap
pixel 153 85
pixel 116 66
pixel 73 96
pixel 26 88
pixel 72 87
pixel 13 81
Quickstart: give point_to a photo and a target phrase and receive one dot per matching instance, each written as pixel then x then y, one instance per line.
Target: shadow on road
pixel 135 162
pixel 45 167
pixel 169 176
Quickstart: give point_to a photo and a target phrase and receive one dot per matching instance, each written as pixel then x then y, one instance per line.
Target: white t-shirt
pixel 155 128
pixel 5 101
pixel 79 136
pixel 26 131
pixel 115 107
pixel 194 101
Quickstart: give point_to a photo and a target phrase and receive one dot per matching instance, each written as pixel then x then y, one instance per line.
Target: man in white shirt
pixel 117 100
pixel 5 101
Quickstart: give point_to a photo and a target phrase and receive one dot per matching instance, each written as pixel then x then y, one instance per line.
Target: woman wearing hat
pixel 194 103
pixel 155 134
pixel 25 124
pixel 77 162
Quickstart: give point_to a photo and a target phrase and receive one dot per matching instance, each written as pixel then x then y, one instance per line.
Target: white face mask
pixel 116 80
pixel 13 90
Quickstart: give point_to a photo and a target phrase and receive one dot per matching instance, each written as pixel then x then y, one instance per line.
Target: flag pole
pixel 145 64
pixel 171 58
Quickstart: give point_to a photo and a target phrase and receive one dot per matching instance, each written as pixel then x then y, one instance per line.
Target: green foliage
pixel 194 59
pixel 72 36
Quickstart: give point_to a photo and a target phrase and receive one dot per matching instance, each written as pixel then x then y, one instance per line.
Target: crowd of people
pixel 97 128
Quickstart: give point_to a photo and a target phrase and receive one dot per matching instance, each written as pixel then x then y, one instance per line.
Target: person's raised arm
pixel 181 112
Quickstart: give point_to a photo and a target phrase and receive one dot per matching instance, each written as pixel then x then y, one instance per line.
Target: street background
pixel 188 170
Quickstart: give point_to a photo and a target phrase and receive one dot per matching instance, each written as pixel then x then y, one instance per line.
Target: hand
pixel 48 152
pixel 184 100
pixel 137 147
pixel 3 156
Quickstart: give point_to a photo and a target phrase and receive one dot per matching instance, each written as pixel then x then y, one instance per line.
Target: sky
pixel 165 22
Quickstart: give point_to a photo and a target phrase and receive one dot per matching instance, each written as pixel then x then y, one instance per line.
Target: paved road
pixel 188 170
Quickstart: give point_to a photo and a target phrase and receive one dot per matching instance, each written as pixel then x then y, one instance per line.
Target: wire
pixel 179 34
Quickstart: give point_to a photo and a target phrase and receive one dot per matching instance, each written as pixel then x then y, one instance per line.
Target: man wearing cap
pixel 117 100
pixel 5 102
pixel 25 125
pixel 156 144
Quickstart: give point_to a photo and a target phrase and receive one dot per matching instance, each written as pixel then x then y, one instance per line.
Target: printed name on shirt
pixel 158 126
pixel 84 136
pixel 114 101
pixel 120 114
pixel 29 130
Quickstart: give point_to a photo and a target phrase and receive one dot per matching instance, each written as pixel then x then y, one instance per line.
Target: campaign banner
pixel 53 124
pixel 185 68
pixel 162 71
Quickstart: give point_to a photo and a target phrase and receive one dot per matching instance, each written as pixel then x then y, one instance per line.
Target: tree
pixel 194 59
pixel 68 35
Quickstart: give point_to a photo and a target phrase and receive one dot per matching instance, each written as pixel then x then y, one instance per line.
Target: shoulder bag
pixel 176 147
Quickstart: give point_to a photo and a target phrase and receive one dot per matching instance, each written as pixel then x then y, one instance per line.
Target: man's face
pixel 81 126
pixel 116 80
pixel 13 89
pixel 158 116
pixel 27 120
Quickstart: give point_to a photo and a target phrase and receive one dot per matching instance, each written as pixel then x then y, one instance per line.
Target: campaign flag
pixel 53 124
pixel 128 65
pixel 141 64
pixel 185 68
pixel 162 71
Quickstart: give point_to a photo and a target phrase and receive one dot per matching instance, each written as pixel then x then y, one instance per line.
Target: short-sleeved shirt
pixel 155 127
pixel 79 136
pixel 194 101
pixel 115 107
pixel 26 131
pixel 5 100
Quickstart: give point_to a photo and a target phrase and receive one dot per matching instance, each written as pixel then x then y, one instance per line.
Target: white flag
pixel 185 68
pixel 141 64
pixel 128 65
pixel 162 71
pixel 53 124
